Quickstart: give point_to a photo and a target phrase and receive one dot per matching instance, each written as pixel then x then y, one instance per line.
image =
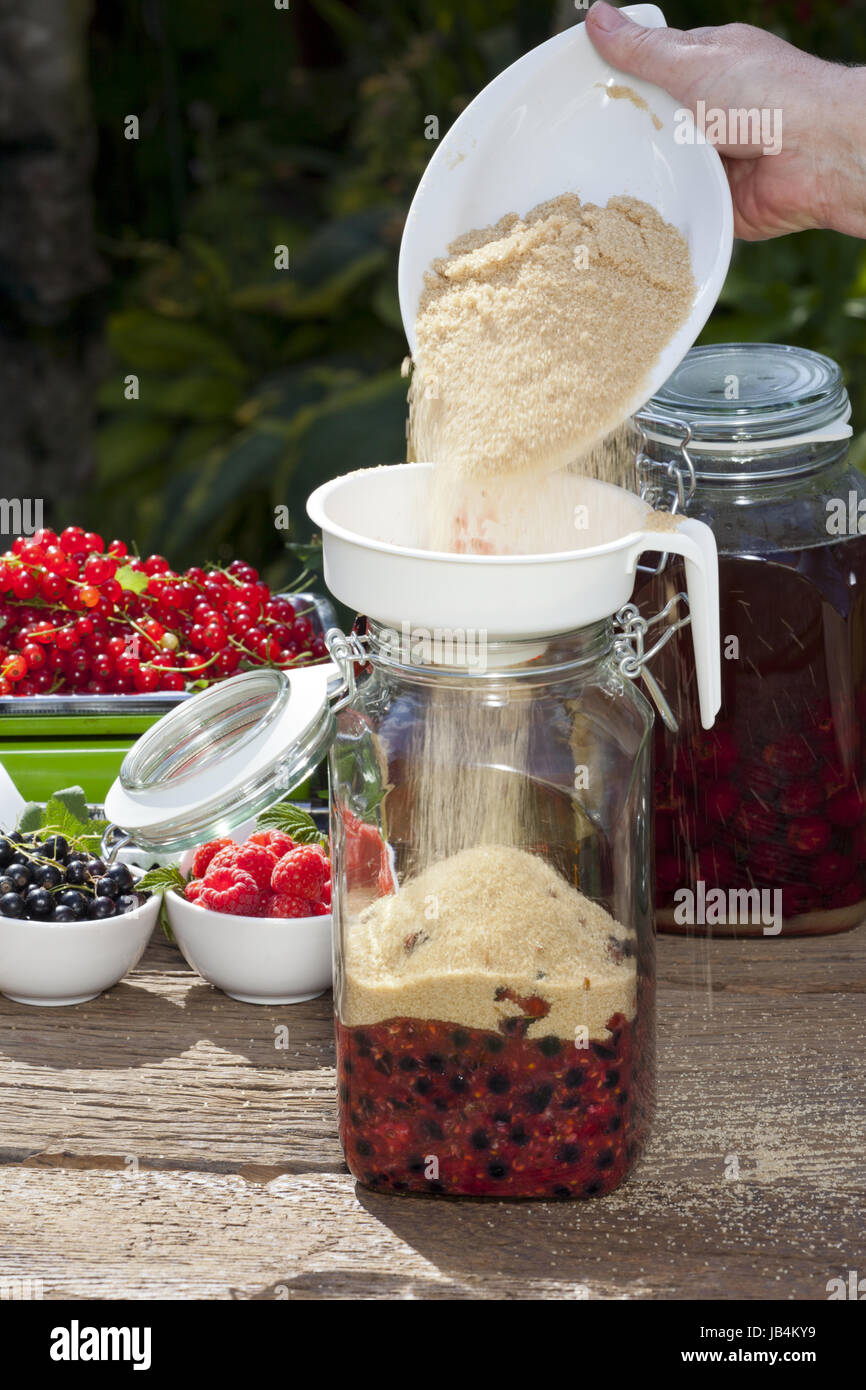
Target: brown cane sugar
pixel 458 942
pixel 534 339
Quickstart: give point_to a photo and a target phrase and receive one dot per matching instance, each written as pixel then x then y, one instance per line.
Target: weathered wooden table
pixel 165 1141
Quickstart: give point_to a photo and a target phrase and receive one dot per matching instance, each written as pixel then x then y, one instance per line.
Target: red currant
pixel 15 668
pixel 227 662
pixel 24 586
pixel 33 655
pixel 214 592
pixel 72 541
pixel 98 568
pixel 103 666
pixel 147 679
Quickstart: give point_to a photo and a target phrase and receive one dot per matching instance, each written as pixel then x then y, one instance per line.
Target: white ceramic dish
pixel 54 963
pixel 257 960
pixel 549 124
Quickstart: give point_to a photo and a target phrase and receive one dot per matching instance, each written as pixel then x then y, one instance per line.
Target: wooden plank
pixel 167 1118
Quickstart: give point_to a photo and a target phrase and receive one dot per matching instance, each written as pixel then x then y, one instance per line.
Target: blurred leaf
pixel 128 442
pixel 145 340
pixel 285 297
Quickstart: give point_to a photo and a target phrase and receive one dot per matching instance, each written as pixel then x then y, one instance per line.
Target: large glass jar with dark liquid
pixel 767 806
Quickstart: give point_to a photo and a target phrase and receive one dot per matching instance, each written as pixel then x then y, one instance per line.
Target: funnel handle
pixel 696 543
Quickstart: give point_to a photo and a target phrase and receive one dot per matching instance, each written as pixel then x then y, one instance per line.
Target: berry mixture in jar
pixel 773 797
pixel 493 1038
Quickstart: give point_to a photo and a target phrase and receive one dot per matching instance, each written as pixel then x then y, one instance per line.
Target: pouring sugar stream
pixel 539 321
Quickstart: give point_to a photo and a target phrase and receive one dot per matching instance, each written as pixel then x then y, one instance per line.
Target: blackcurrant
pixel 128 902
pixel 56 847
pixel 38 902
pixel 76 871
pixel 47 875
pixel 107 887
pixel 62 913
pixel 5 853
pixel 6 884
pixel 21 875
pixel 11 905
pixel 96 868
pixel 122 877
pixel 102 907
pixel 75 901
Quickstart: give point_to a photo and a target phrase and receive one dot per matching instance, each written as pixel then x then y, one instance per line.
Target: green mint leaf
pixel 31 817
pixel 162 878
pixel 59 820
pixel 165 924
pixel 75 801
pixel 290 818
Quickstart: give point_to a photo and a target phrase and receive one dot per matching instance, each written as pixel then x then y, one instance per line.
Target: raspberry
pixel 755 821
pixel 193 890
pixel 846 808
pixel 224 860
pixel 801 797
pixel 287 905
pixel 719 800
pixel 276 840
pixel 319 909
pixel 831 869
pixel 258 862
pixel 205 854
pixel 230 890
pixel 326 892
pixel 808 835
pixel 302 871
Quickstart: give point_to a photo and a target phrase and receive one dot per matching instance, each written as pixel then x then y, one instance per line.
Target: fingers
pixel 667 57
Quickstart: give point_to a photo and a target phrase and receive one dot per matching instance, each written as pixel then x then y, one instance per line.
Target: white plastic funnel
pixel 548 125
pixel 370 518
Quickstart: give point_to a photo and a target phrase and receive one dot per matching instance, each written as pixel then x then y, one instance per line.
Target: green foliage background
pixel 262 127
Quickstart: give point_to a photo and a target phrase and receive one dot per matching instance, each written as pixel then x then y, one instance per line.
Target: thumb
pixel 662 56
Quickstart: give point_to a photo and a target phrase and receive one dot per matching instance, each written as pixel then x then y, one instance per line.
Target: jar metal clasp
pixel 632 657
pixel 345 652
pixel 666 486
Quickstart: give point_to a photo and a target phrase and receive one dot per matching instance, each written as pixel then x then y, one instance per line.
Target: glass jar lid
pixel 222 757
pixel 766 394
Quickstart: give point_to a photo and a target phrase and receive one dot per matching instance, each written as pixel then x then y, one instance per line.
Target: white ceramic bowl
pixel 258 960
pixel 548 125
pixel 52 963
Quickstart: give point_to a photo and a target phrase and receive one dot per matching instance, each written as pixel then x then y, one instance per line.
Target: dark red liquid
pixel 772 796
pixel 432 1107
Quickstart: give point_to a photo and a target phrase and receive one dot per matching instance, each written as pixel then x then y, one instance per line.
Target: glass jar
pixel 495 1018
pixel 752 439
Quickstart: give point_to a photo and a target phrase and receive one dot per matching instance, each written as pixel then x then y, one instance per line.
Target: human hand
pixel 818 176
